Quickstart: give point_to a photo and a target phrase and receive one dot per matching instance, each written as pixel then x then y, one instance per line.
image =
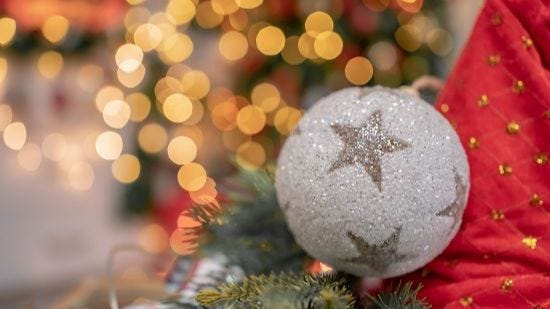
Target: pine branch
pixel 402 297
pixel 284 290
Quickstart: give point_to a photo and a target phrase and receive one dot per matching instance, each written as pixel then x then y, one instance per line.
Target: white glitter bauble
pixel 373 182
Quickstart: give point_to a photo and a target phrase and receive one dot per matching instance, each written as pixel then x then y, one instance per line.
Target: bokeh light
pixel 206 195
pixel 176 48
pixel 126 168
pixel 224 7
pixel 317 23
pixel 233 45
pixel 81 176
pixel 50 64
pixel 177 108
pixel 54 146
pixel 251 119
pixel 90 77
pixel 291 54
pixel 383 55
pixel 250 155
pixel 180 11
pixel 7 30
pixel 152 138
pixel 140 106
pixel 131 79
pixel 359 70
pixel 55 28
pixel 107 94
pixel 109 145
pixel 270 40
pixel 147 36
pixel 195 84
pixel 266 96
pixel 328 45
pixel 116 114
pixel 29 157
pixel 440 42
pixel 6 116
pixel 15 135
pixel 192 176
pixel 286 119
pixel 206 17
pixel 128 57
pixel 182 150
pixel 153 238
pixel 3 69
pixel 248 4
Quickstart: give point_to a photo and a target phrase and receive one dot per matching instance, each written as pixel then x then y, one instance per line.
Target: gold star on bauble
pixel 366 145
pixel 377 257
pixel 453 210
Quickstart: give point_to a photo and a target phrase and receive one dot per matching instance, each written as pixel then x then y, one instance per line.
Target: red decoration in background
pixel 88 15
pixel 498 97
pixel 166 212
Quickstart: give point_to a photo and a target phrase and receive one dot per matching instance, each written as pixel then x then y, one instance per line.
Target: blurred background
pixel 117 115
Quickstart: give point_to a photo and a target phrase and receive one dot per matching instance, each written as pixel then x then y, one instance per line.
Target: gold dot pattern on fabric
pixel 504 169
pixel 547 114
pixel 527 42
pixel 497 214
pixel 507 285
pixel 483 101
pixel 530 242
pixel 473 143
pixel 541 159
pixel 536 200
pixel 493 60
pixel 519 86
pixel 512 127
pixel 466 301
pixel 444 108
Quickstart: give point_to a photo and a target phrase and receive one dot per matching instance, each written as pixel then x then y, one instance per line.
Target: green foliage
pixel 402 297
pixel 253 233
pixel 285 291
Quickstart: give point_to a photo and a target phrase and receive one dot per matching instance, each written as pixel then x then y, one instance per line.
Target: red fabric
pixel 493 262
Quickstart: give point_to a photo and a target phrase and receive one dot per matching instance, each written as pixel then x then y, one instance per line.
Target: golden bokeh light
pixel 409 37
pixel 176 48
pixel 126 168
pixel 177 108
pixel 251 119
pixel 206 195
pixel 29 157
pixel 249 4
pixel 270 40
pixel 54 147
pixel 192 177
pixel 7 30
pixel 152 138
pixel 167 86
pixel 131 79
pixel 180 11
pixel 108 145
pixel 89 77
pixel 383 55
pixel 3 69
pixel 359 70
pixel 286 119
pixel 184 241
pixel 193 132
pixel 140 106
pixel 136 16
pixel 106 95
pixel 81 176
pixel 153 238
pixel 50 64
pixel 15 135
pixel 233 139
pixel 182 150
pixel 147 36
pixel 206 17
pixel 195 84
pixel 196 114
pixel 328 45
pixel 135 2
pixel 250 155
pixel 224 7
pixel 233 45
pixel 128 57
pixel 440 42
pixel 224 115
pixel 317 23
pixel 116 114
pixel 55 28
pixel 291 54
pixel 6 116
pixel 238 20
pixel 266 96
pixel 306 46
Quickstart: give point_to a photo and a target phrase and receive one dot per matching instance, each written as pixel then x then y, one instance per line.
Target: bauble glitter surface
pixel 373 182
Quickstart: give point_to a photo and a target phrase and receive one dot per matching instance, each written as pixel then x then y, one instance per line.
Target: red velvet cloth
pixel 500 258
